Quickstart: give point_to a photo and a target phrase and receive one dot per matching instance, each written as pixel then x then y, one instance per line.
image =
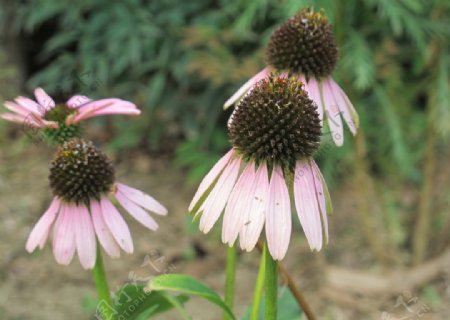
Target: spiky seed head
pixel 304 44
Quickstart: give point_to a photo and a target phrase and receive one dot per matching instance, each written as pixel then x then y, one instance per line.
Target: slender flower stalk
pixel 275 130
pixel 101 283
pixel 304 47
pixel 257 295
pixel 230 279
pixel 271 283
pixel 82 181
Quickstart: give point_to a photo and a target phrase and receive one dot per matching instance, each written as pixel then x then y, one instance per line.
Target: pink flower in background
pixel 274 131
pixel 304 47
pixel 44 113
pixel 82 181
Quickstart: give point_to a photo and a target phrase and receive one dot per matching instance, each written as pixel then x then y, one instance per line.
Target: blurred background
pixel 389 250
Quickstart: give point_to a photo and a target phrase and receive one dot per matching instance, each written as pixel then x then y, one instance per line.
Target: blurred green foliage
pixel 180 60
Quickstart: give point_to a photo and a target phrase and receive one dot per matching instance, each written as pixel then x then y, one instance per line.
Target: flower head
pixel 274 131
pixel 304 46
pixel 60 121
pixel 82 181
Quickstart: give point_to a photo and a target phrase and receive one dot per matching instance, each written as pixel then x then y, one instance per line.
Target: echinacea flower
pixel 304 46
pixel 61 120
pixel 82 181
pixel 274 132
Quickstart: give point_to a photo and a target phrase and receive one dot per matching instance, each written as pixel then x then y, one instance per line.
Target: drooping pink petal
pixel 238 204
pixel 345 106
pixel 117 225
pixel 77 101
pixel 104 236
pixel 255 217
pixel 216 200
pixel 314 94
pixel 84 236
pixel 278 215
pixel 136 212
pixel 103 107
pixel 306 204
pixel 209 179
pixel 41 230
pixel 321 194
pixel 246 87
pixel 30 105
pixel 18 118
pixel 333 114
pixel 142 199
pixel 44 99
pixel 14 107
pixel 64 235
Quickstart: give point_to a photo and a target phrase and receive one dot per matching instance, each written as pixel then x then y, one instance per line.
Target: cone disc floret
pixel 304 44
pixel 80 172
pixel 276 122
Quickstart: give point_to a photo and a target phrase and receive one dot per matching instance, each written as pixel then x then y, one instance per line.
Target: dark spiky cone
pixel 304 44
pixel 276 122
pixel 80 172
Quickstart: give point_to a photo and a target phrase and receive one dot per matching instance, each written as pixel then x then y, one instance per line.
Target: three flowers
pixel 274 129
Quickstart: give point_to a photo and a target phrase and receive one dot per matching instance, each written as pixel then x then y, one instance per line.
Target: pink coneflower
pixel 82 181
pixel 304 46
pixel 44 113
pixel 274 131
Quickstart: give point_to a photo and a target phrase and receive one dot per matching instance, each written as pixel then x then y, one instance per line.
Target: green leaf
pixel 187 285
pixel 135 302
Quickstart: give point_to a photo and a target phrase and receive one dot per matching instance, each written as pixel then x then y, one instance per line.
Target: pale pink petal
pixel 238 204
pixel 18 118
pixel 31 120
pixel 85 237
pixel 103 107
pixel 136 212
pixel 246 87
pixel 209 179
pixel 41 230
pixel 320 192
pixel 216 200
pixel 30 105
pixel 77 101
pixel 142 199
pixel 255 217
pixel 64 235
pixel 314 94
pixel 44 99
pixel 104 236
pixel 333 114
pixel 14 107
pixel 306 204
pixel 117 225
pixel 278 215
pixel 345 106
pixel 44 239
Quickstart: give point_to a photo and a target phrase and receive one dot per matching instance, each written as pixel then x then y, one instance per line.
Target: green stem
pixel 105 303
pixel 230 276
pixel 259 288
pixel 271 285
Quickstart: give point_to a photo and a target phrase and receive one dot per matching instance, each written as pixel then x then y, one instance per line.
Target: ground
pixel 35 287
